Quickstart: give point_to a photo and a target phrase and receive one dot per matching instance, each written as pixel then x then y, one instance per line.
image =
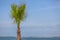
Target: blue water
pixel 13 38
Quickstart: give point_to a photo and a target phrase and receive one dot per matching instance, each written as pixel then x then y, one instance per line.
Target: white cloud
pixel 7 23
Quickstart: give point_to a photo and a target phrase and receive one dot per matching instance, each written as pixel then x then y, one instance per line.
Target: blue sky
pixel 43 18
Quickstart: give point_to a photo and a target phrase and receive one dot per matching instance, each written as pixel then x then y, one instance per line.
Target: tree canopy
pixel 18 12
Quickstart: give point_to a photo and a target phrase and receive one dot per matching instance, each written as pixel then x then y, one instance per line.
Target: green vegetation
pixel 18 14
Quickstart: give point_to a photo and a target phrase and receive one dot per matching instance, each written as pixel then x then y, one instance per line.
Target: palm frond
pixel 18 12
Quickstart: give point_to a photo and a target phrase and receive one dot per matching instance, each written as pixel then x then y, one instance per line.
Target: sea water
pixel 13 38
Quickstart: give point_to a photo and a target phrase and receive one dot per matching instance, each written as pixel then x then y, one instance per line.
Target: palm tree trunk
pixel 18 33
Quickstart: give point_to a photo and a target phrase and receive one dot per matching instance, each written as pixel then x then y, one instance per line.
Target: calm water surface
pixel 13 38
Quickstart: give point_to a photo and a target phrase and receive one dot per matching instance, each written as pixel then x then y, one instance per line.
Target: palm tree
pixel 18 14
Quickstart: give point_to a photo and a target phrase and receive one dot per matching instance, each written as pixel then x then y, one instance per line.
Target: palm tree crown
pixel 18 12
